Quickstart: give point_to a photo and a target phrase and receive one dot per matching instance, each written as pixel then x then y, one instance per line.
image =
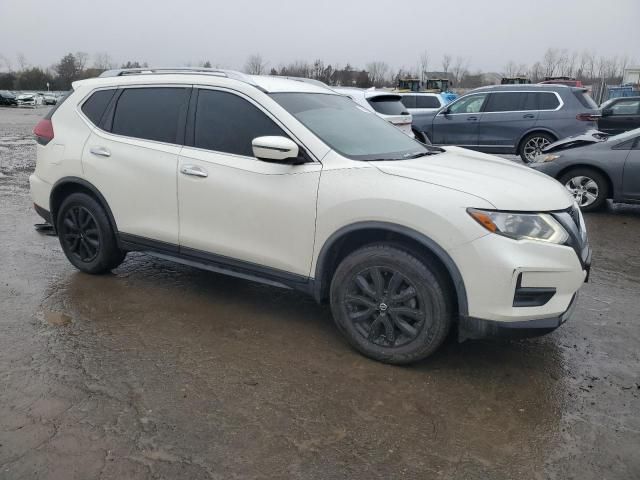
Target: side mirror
pixel 606 112
pixel 274 149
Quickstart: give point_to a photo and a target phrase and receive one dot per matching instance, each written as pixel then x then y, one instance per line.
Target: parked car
pixel 595 167
pixel 619 115
pixel 510 119
pixel 383 103
pixel 7 98
pixel 29 100
pixel 49 99
pixel 423 102
pixel 294 185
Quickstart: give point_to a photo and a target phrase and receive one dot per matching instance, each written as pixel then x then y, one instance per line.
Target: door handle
pixel 472 119
pixel 528 115
pixel 194 171
pixel 100 151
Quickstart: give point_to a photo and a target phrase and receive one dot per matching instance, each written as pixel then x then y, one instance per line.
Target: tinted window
pixel 427 101
pixel 585 99
pixel 387 105
pixel 96 105
pixel 348 128
pixel 505 102
pixel 228 123
pixel 150 113
pixel 470 104
pixel 625 107
pixel 409 101
pixel 547 101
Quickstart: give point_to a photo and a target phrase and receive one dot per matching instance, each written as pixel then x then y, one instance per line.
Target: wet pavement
pixel 163 371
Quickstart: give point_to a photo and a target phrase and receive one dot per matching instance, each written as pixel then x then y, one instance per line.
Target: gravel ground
pixel 163 371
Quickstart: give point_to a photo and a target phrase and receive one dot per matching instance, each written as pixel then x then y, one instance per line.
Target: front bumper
pixel 470 328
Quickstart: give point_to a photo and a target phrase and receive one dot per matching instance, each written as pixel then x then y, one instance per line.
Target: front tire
pixel 588 187
pixel 390 305
pixel 86 236
pixel 532 145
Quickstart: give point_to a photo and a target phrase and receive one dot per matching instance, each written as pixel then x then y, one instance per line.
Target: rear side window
pixel 151 113
pixel 409 101
pixel 387 105
pixel 505 102
pixel 427 101
pixel 547 101
pixel 96 105
pixel 585 99
pixel 227 123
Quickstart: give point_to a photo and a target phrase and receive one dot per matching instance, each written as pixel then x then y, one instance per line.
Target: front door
pixel 631 174
pixel 505 118
pixel 235 208
pixel 458 124
pixel 625 115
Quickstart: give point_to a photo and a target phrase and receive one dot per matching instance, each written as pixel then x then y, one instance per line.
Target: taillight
pixel 587 117
pixel 43 131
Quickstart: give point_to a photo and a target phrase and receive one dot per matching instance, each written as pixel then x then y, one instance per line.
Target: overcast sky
pixel 488 32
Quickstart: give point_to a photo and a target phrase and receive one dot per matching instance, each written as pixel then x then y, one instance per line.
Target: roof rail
pixel 121 72
pixel 311 81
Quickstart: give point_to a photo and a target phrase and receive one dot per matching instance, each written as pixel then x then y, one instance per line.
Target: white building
pixel 631 75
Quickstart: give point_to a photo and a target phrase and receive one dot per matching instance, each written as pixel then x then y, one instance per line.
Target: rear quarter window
pixel 427 101
pixel 585 99
pixel 547 101
pixel 95 106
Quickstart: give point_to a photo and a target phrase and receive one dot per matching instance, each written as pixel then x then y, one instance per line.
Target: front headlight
pixel 532 226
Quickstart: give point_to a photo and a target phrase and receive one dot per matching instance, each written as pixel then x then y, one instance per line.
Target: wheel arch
pixel 587 166
pixel 351 237
pixel 535 130
pixel 68 185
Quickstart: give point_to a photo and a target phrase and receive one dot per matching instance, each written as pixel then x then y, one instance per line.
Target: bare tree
pixel 446 63
pixel 510 69
pixel 424 66
pixel 550 62
pixel 378 73
pixel 22 61
pixel 460 67
pixel 7 62
pixel 81 60
pixel 102 61
pixel 536 72
pixel 255 65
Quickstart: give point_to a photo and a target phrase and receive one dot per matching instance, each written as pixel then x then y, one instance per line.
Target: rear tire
pixel 390 305
pixel 86 236
pixel 589 187
pixel 532 145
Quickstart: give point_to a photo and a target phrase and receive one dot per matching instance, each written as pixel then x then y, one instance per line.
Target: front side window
pixel 626 107
pixel 388 105
pixel 471 104
pixel 228 123
pixel 153 113
pixel 349 129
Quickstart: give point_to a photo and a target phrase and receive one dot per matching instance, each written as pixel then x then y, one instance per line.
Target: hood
pixel 588 138
pixel 503 183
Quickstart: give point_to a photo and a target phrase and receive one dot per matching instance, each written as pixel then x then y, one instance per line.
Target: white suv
pixel 288 183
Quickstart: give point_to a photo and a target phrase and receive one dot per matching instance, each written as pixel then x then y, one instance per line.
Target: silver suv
pixel 510 119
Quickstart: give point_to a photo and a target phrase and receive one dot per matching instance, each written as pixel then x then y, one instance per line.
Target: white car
pixel 291 184
pixel 383 103
pixel 29 99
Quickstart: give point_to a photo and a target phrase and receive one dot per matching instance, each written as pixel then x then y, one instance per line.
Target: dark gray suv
pixel 510 119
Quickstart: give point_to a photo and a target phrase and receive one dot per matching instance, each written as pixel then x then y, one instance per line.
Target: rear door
pixel 132 159
pixel 631 174
pixel 505 118
pixel 458 124
pixel 625 115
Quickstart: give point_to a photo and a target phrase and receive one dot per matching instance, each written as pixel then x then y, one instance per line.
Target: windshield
pixel 349 129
